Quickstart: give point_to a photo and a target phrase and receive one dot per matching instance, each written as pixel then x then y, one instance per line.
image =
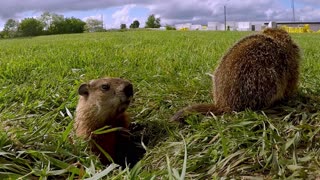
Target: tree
pixel 10 29
pixel 57 27
pixel 1 35
pixel 67 25
pixel 31 27
pixel 47 18
pixel 123 26
pixel 94 25
pixel 168 27
pixel 75 25
pixel 153 22
pixel 135 24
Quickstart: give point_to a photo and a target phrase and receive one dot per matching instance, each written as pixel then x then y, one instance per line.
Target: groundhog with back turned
pixel 256 72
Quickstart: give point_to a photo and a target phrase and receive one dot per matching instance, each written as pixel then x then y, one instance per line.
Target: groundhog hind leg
pixel 255 91
pixel 204 109
pixel 292 84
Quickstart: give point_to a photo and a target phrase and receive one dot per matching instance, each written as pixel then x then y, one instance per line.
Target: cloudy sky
pixel 115 12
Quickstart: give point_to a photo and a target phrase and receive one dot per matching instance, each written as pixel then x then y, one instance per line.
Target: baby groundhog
pixel 256 72
pixel 103 102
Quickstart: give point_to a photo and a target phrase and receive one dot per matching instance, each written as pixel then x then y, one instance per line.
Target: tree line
pixel 52 23
pixel 48 23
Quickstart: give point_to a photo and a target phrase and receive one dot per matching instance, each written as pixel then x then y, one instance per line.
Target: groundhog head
pixel 281 36
pixel 106 97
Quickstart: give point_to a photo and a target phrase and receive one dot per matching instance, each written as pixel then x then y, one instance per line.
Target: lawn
pixel 39 78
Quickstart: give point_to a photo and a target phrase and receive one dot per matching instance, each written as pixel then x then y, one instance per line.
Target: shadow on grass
pixel 299 104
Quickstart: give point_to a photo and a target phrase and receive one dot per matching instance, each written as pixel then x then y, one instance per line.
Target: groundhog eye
pixel 105 87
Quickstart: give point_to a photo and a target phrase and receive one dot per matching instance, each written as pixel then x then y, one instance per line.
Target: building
pixel 236 26
pixel 185 26
pixel 215 26
pixel 196 27
pixel 232 25
pixel 244 26
pixel 251 26
pixel 248 26
pixel 314 26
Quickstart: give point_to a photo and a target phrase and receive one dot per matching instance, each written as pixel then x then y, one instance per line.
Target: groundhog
pixel 256 72
pixel 103 102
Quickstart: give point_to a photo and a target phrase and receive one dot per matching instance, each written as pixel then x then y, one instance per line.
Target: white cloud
pixel 122 16
pixel 98 17
pixel 308 13
pixel 269 13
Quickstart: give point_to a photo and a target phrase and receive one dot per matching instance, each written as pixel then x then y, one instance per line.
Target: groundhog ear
pixel 83 90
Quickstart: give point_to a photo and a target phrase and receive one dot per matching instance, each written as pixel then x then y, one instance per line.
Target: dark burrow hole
pixel 129 153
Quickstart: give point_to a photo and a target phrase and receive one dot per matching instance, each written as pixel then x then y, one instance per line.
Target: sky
pixel 116 12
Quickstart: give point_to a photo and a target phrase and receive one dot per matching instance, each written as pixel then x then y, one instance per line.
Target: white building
pixel 183 26
pixel 215 26
pixel 257 25
pixel 251 26
pixel 212 25
pixel 272 24
pixel 232 25
pixel 196 27
pixel 244 26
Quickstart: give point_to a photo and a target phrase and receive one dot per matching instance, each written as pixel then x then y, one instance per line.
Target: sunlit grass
pixel 39 78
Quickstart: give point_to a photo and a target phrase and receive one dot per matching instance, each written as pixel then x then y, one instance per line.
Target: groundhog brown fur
pixel 103 102
pixel 257 71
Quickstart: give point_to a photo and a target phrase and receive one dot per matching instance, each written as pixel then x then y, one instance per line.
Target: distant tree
pixel 168 27
pixel 56 27
pixel 94 25
pixel 10 29
pixel 47 18
pixel 123 26
pixel 75 25
pixel 67 25
pixel 153 22
pixel 135 24
pixel 31 27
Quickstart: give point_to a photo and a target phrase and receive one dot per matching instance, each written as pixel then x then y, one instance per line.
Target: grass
pixel 39 78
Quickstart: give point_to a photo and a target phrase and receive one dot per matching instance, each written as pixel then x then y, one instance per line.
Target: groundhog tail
pixel 205 109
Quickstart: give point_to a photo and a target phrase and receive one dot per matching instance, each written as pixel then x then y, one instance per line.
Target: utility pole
pixel 102 20
pixel 293 13
pixel 225 17
pixel 225 14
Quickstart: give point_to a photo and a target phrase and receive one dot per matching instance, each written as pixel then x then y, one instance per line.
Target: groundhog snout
pixel 128 90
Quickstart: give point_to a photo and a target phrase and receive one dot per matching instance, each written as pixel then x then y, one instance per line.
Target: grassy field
pixel 39 78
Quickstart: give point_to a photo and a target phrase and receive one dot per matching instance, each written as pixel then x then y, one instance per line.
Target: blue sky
pixel 116 12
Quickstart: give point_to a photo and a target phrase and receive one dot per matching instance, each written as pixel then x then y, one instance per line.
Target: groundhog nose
pixel 128 90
